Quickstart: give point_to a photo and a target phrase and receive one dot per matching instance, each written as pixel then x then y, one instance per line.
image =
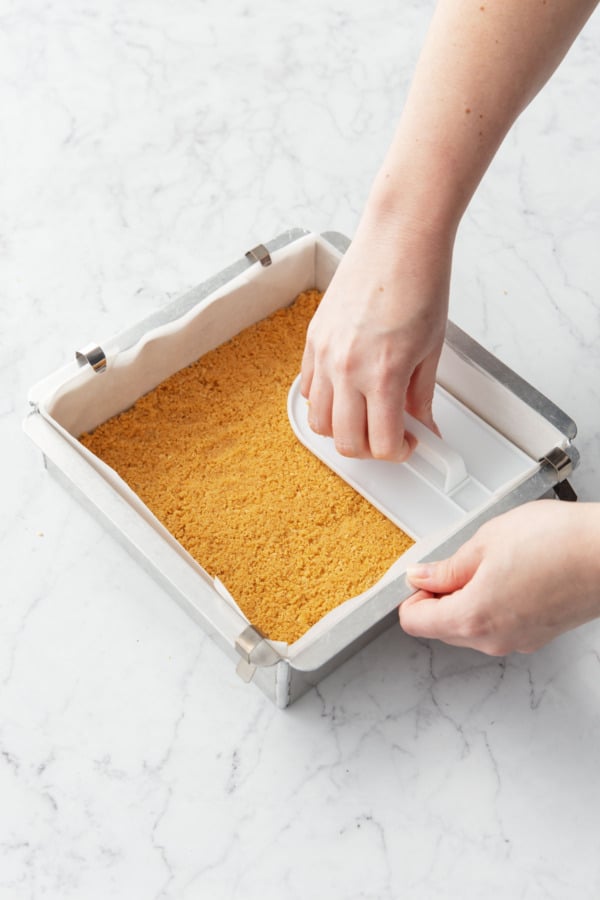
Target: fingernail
pixel 420 572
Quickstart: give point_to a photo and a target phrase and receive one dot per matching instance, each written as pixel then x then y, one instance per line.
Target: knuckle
pixel 384 447
pixel 474 628
pixel 310 341
pixel 490 642
pixel 320 427
pixel 347 357
pixel 345 365
pixel 387 379
pixel 345 448
pixel 383 380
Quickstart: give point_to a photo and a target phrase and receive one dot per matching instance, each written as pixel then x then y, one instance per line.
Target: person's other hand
pixel 523 578
pixel 374 343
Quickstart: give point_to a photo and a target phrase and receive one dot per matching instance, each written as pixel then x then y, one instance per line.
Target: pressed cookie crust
pixel 211 452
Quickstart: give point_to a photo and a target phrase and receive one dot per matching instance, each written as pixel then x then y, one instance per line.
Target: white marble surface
pixel 143 146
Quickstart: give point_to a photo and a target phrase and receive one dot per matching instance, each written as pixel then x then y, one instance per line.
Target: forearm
pixel 373 346
pixel 482 63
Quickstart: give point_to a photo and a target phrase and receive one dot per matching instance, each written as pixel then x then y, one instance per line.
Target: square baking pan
pixel 504 444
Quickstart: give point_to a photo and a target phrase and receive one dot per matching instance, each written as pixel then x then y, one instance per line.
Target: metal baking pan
pixel 480 400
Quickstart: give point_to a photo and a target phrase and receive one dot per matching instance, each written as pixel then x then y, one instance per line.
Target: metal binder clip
pixel 93 355
pixel 245 644
pixel 562 464
pixel 259 254
pixel 255 651
pixel 564 491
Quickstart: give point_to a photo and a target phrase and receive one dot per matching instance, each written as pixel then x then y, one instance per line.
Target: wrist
pixel 409 201
pixel 400 219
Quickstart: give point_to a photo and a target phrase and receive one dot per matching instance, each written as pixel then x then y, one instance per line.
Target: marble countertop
pixel 144 146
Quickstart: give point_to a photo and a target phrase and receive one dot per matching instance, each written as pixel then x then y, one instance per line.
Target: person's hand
pixel 523 578
pixel 373 345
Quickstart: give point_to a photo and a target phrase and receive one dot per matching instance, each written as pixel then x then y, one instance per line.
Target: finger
pixel 447 575
pixel 423 615
pixel 454 620
pixel 419 396
pixel 320 402
pixel 385 427
pixel 307 370
pixel 349 421
pixel 412 443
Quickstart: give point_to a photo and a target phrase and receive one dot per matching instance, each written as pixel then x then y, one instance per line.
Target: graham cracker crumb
pixel 211 452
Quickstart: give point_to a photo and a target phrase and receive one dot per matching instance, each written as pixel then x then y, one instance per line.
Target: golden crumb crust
pixel 211 452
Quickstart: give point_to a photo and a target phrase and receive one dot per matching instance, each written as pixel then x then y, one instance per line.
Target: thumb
pixel 447 575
